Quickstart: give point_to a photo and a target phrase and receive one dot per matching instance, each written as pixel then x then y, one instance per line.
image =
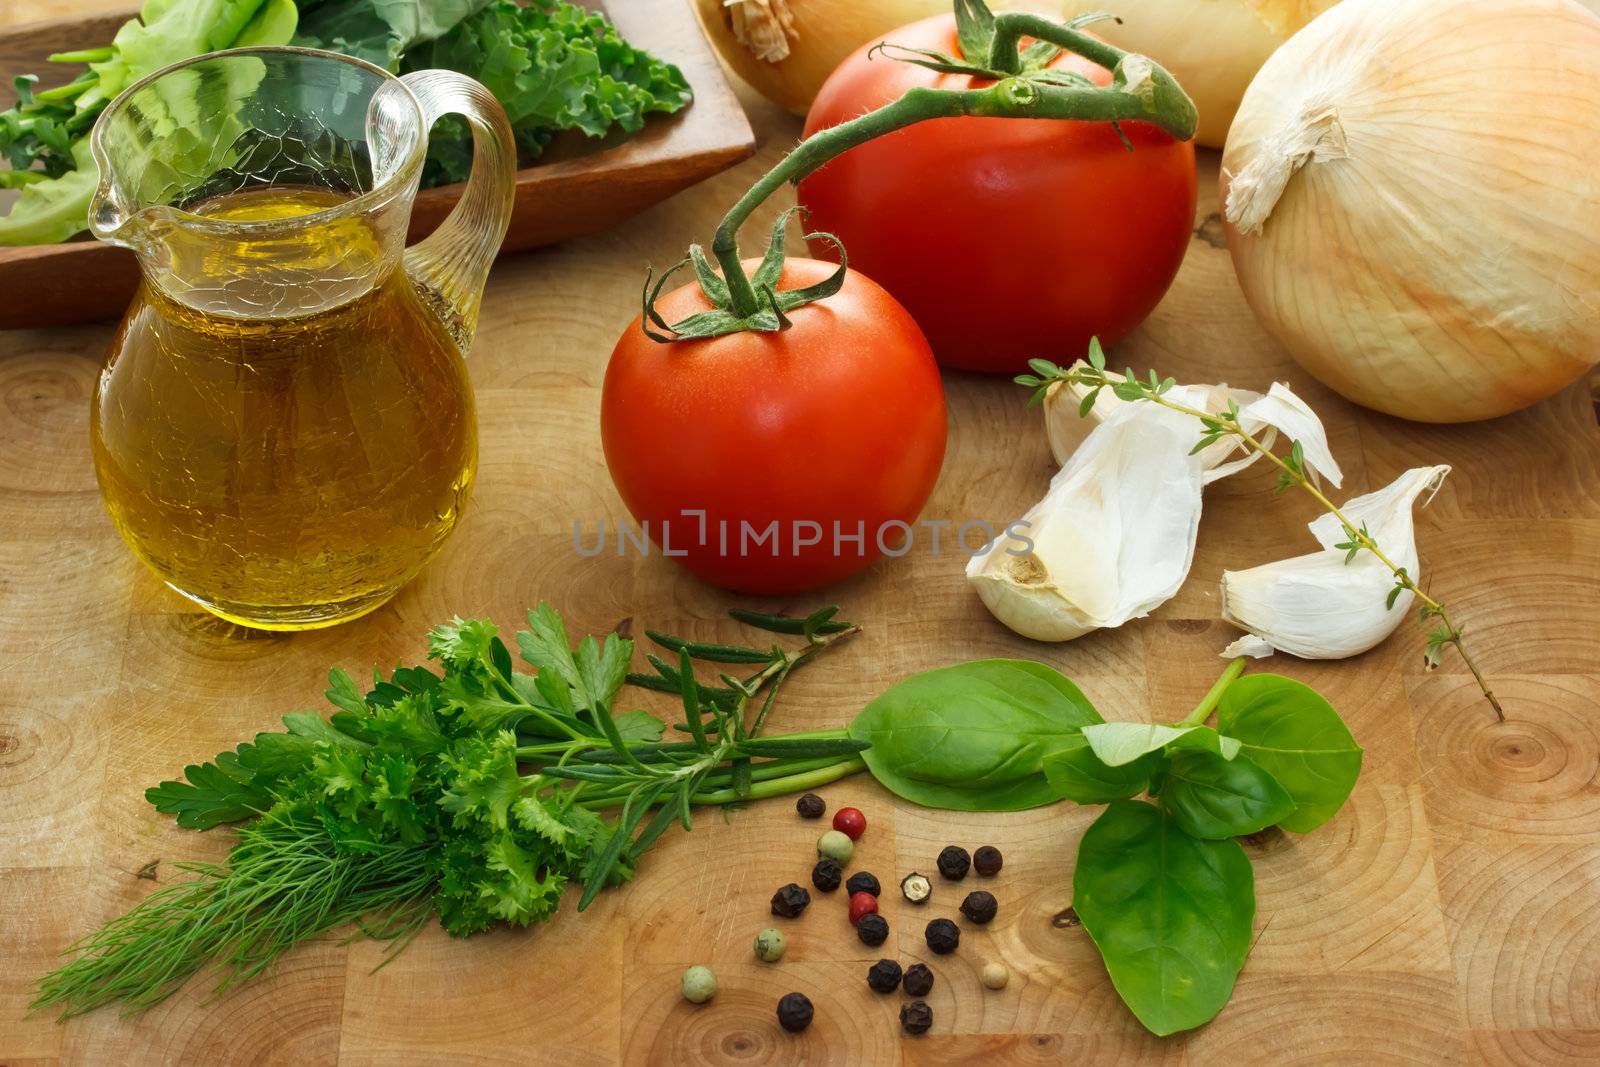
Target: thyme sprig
pixel 1292 473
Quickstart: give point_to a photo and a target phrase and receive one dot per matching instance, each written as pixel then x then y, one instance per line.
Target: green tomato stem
pixel 1140 90
pixel 1208 703
pixel 1011 26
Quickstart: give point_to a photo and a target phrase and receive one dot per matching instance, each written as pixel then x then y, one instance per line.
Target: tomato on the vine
pixel 833 423
pixel 1006 239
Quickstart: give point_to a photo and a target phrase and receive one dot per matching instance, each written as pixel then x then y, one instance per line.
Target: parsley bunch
pixel 475 792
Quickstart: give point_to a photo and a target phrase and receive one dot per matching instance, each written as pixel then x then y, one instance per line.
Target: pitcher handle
pixel 453 262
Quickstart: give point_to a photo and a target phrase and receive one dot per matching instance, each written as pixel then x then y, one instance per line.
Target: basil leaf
pixel 1118 743
pixel 1216 798
pixel 1078 775
pixel 973 737
pixel 1292 733
pixel 1170 914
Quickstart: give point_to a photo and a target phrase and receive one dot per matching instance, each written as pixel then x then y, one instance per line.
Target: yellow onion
pixel 785 49
pixel 1412 194
pixel 1213 47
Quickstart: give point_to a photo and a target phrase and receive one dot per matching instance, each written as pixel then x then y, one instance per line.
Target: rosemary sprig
pixel 729 704
pixel 1291 473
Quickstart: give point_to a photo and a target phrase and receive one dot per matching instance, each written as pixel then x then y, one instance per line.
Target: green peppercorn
pixel 836 846
pixel 770 944
pixel 826 875
pixel 699 985
pixel 884 976
pixel 919 980
pixel 916 1017
pixel 942 936
pixel 872 929
pixel 980 907
pixel 794 1012
pixel 790 901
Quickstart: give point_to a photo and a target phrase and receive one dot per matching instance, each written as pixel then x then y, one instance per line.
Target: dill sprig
pixel 285 882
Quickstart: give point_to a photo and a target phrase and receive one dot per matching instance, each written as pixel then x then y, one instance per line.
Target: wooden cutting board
pixel 1447 915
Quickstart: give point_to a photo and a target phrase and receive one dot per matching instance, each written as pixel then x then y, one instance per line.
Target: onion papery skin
pixel 1213 47
pixel 1437 255
pixel 820 33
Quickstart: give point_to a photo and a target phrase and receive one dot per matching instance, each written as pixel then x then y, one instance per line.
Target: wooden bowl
pixel 580 187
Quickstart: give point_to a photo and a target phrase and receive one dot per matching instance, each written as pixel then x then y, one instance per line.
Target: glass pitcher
pixel 284 428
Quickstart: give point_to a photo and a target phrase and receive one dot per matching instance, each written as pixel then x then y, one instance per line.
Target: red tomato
pixel 1006 239
pixel 837 422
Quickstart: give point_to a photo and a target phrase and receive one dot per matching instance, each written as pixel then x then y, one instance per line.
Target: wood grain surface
pixel 1447 915
pixel 580 185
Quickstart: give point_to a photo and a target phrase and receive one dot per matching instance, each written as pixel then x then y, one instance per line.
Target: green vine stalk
pixel 1025 86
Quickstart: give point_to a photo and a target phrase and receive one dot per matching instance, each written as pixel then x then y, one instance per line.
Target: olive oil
pixel 283 431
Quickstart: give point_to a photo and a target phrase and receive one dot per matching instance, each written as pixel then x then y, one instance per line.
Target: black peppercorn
pixel 872 929
pixel 919 980
pixel 953 862
pixel 794 1012
pixel 884 976
pixel 790 901
pixel 863 882
pixel 810 806
pixel 916 1017
pixel 826 875
pixel 943 936
pixel 979 907
pixel 987 861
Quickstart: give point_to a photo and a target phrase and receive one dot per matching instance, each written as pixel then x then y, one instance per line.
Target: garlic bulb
pixel 1213 47
pixel 1114 537
pixel 1412 195
pixel 1319 606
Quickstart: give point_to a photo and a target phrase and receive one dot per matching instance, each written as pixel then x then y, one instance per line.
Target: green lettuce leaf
pixel 553 66
pixel 379 31
pixel 49 129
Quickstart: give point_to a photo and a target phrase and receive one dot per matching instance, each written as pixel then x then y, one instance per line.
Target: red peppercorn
pixel 862 904
pixel 850 822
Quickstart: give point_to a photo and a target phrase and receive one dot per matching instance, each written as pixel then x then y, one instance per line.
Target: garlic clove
pixel 1114 537
pixel 1067 430
pixel 1317 606
pixel 1110 541
pixel 1283 410
pixel 1063 426
pixel 1248 645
